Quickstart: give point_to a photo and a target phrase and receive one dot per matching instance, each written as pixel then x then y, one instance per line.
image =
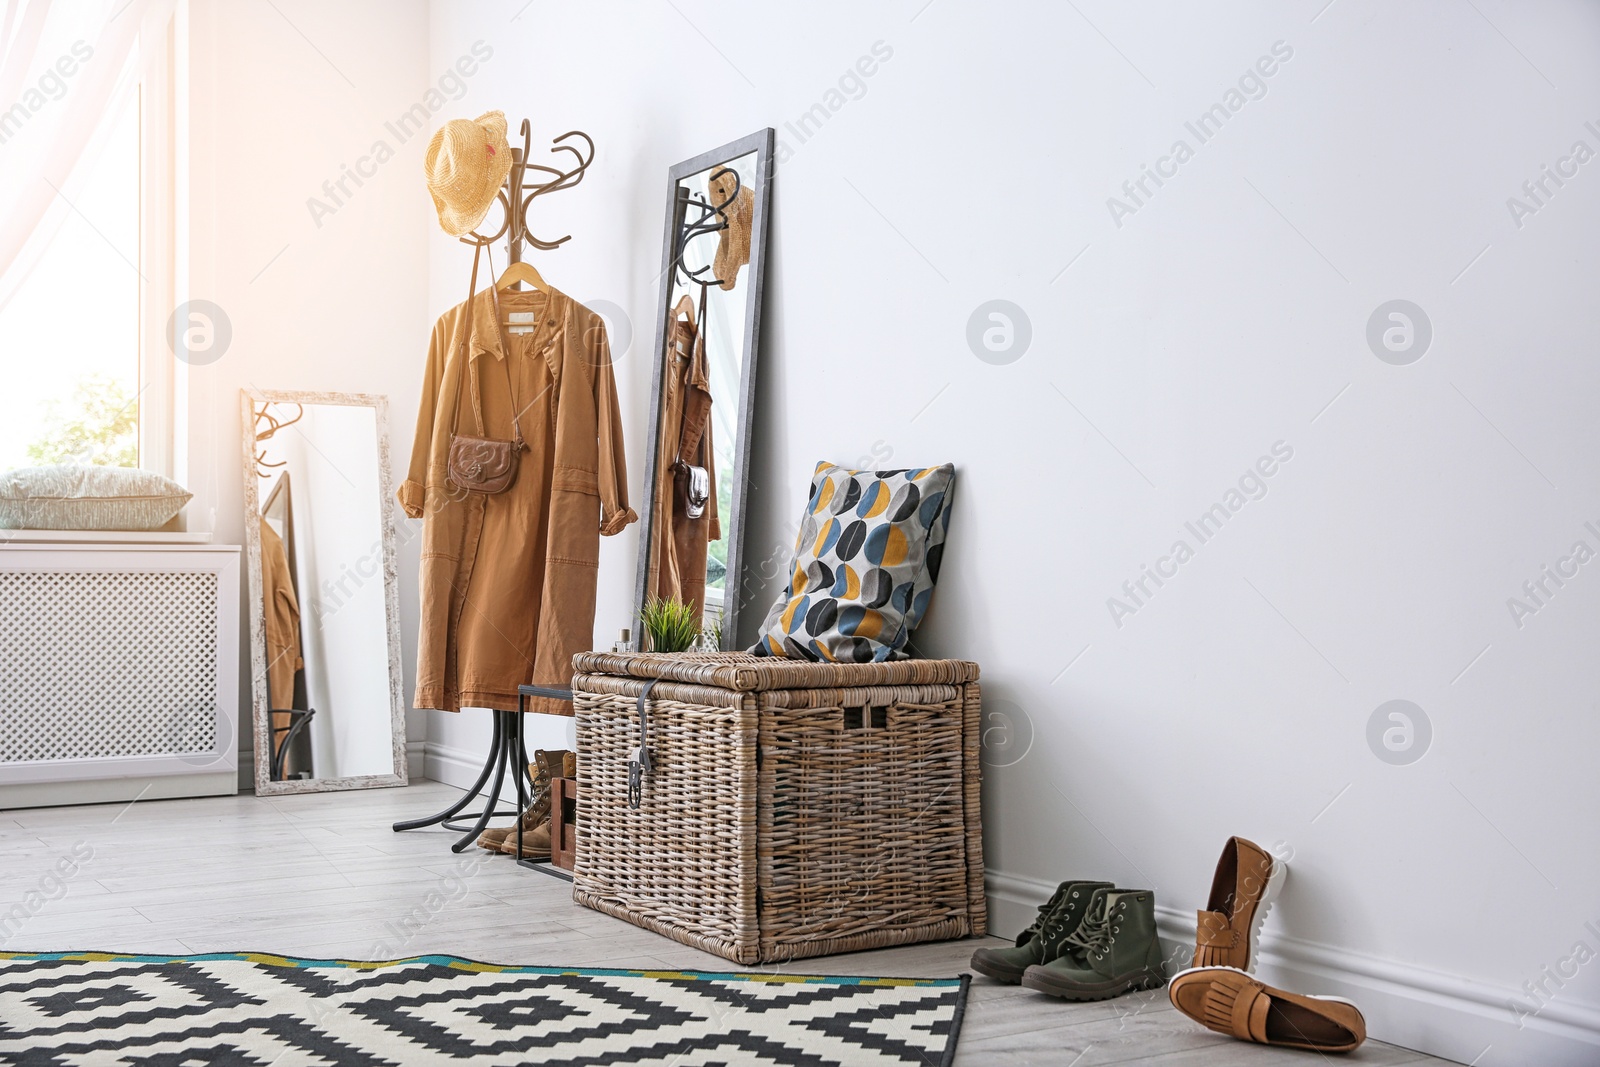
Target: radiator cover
pixel 118 671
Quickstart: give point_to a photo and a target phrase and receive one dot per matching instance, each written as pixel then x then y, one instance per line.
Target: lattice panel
pixel 99 665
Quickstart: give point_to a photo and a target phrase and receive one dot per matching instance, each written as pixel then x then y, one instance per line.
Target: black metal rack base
pixel 506 752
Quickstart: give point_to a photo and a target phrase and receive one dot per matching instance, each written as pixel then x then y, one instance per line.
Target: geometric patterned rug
pixel 249 1009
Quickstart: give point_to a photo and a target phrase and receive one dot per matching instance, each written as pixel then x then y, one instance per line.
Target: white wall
pixel 1226 313
pixel 284 95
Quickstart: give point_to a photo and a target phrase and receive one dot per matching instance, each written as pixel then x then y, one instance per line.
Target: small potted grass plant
pixel 670 624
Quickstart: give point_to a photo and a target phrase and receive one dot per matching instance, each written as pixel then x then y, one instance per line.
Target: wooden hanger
pixel 516 272
pixel 522 272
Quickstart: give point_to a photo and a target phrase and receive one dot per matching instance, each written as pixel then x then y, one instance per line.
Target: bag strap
pixel 472 327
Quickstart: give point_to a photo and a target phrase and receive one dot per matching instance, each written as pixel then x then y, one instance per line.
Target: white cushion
pixel 88 498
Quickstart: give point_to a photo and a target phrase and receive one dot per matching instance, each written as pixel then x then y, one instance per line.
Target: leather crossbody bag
pixel 483 464
pixel 694 483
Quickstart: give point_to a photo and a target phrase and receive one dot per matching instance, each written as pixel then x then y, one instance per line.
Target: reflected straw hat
pixel 467 162
pixel 733 246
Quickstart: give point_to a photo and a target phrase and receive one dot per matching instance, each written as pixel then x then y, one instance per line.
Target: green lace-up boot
pixel 1113 951
pixel 1039 943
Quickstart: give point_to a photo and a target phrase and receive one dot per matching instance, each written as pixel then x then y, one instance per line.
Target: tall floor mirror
pixel 324 611
pixel 703 385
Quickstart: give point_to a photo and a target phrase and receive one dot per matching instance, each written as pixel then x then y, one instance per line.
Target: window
pixel 84 174
pixel 71 330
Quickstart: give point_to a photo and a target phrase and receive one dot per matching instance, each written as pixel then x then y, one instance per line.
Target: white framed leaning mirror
pixel 328 710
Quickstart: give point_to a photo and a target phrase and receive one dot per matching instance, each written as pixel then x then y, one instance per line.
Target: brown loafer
pixel 1232 1003
pixel 1247 879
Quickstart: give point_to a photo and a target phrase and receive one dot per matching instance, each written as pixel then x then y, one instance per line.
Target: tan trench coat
pixel 508 580
pixel 678 544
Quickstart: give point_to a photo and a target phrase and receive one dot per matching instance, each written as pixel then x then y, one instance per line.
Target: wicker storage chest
pixel 790 809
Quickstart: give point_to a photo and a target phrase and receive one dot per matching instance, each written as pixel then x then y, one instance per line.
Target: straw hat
pixel 467 162
pixel 733 247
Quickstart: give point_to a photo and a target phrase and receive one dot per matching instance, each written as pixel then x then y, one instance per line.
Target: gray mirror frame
pixel 261 730
pixel 761 143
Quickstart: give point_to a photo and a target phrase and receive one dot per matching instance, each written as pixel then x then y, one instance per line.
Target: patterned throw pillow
pixel 865 562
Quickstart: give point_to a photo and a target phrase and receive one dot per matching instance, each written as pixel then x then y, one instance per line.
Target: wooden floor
pixel 322 875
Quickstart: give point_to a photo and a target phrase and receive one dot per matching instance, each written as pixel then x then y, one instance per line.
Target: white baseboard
pixel 416 760
pixel 452 766
pixel 459 767
pixel 1405 1005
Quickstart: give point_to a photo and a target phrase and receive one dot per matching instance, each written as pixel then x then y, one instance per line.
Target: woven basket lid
pixel 746 673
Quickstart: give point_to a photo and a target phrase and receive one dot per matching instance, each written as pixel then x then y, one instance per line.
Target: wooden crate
pixel 792 809
pixel 563 828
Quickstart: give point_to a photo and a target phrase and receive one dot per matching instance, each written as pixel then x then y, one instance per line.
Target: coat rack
pixel 507 752
pixel 688 230
pixel 518 193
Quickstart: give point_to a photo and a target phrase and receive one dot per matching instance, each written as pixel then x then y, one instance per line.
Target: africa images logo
pixel 1251 485
pixel 1251 85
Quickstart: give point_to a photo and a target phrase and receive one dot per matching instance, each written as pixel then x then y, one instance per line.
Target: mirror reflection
pixel 700 417
pixel 321 584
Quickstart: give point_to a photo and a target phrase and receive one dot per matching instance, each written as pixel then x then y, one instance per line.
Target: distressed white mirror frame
pixel 261 721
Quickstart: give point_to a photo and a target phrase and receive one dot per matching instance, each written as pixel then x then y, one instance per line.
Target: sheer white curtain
pixel 64 69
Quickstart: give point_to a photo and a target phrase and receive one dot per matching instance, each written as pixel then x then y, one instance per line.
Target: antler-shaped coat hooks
pixel 713 219
pixel 274 424
pixel 518 193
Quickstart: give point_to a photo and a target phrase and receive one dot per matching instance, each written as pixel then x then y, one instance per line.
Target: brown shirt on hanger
pixel 508 579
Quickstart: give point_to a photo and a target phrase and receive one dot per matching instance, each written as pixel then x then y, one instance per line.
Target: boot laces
pixel 1094 934
pixel 1063 919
